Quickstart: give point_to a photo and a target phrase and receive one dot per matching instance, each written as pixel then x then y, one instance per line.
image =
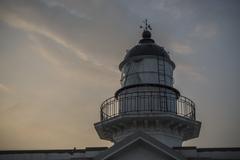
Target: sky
pixel 59 61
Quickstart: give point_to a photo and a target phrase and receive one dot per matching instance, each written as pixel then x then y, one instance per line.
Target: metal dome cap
pixel 146 47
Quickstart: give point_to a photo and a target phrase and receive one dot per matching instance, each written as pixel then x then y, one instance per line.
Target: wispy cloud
pixel 181 48
pixel 15 21
pixel 56 62
pixel 52 4
pixel 205 31
pixel 4 88
pixel 18 22
pixel 190 72
pixel 43 51
pixel 62 66
pixel 68 66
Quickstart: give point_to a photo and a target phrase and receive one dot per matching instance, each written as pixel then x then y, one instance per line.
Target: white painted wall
pixel 163 137
pixel 140 152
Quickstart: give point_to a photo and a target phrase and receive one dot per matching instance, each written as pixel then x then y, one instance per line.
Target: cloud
pixel 66 67
pixel 181 48
pixel 43 51
pixel 205 31
pixel 167 7
pixel 17 22
pixel 4 88
pixel 190 72
pixel 52 4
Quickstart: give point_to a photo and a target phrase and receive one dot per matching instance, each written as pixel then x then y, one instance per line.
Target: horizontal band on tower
pixel 147 84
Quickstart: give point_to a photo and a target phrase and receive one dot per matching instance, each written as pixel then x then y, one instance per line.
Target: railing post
pixel 146 101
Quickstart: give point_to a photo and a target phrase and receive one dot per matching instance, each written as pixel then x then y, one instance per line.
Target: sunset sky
pixel 59 61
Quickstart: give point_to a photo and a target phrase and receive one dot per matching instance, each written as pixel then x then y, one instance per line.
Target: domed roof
pixel 146 46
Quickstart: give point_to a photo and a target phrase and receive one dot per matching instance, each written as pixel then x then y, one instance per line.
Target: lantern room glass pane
pixel 147 70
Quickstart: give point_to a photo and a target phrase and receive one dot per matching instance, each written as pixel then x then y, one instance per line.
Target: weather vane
pixel 147 25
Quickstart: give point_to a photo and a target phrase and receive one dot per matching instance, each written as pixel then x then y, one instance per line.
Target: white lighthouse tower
pixel 147 100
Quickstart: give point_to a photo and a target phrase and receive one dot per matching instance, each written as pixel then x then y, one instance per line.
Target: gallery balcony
pixel 147 111
pixel 145 103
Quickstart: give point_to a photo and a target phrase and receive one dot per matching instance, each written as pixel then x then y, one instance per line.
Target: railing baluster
pixel 147 101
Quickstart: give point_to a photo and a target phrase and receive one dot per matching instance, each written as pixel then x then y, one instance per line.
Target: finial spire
pixel 146 33
pixel 147 25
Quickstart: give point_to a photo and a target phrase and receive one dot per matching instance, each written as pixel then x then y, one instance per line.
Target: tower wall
pixel 147 99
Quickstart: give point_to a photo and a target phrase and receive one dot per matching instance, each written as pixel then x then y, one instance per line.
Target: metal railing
pixel 147 102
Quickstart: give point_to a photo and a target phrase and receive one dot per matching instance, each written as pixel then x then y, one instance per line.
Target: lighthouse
pixel 147 100
pixel 146 118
